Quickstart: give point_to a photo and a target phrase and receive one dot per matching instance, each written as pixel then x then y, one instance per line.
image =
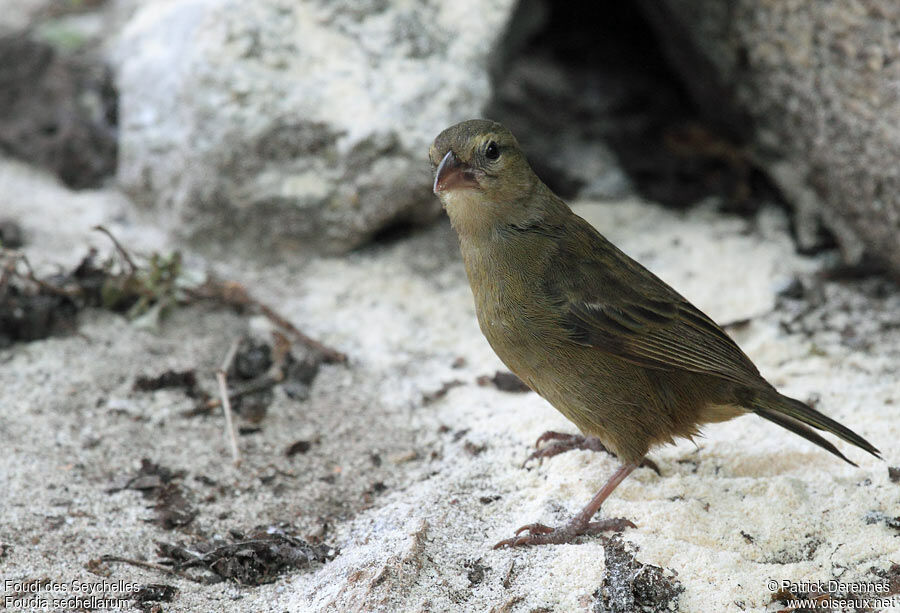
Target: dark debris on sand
pixel 248 559
pixel 172 507
pixel 147 598
pixel 505 382
pixel 33 308
pixel 170 379
pixel 630 585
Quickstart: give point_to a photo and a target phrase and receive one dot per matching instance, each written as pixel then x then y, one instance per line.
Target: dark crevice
pixel 394 232
pixel 588 91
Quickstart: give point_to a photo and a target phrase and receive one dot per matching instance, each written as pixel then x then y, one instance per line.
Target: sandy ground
pixel 412 493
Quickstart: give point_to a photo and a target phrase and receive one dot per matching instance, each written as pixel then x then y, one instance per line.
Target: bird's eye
pixel 492 152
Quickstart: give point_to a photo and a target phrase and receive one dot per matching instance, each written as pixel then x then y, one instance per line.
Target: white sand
pixel 403 312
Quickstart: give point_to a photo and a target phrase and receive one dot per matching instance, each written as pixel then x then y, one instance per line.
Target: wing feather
pixel 611 302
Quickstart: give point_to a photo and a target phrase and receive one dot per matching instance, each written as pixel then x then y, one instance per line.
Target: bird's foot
pixel 567 442
pixel 539 534
pixel 563 442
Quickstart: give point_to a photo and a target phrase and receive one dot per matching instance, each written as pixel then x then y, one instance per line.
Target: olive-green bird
pixel 617 351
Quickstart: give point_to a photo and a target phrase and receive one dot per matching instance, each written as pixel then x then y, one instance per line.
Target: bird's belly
pixel 629 408
pixel 550 365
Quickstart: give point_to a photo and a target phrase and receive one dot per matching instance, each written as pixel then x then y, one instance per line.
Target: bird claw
pixel 539 534
pixel 535 529
pixel 568 442
pixel 550 435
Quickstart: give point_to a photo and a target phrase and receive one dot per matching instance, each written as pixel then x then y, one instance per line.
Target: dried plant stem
pixel 122 251
pixel 221 377
pixel 150 566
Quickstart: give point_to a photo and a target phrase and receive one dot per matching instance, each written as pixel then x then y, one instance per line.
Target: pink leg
pixel 581 524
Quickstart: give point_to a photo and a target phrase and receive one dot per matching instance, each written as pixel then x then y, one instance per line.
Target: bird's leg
pixel 568 442
pixel 581 524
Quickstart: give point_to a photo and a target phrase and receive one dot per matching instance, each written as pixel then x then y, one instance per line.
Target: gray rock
pixel 57 102
pixel 22 14
pixel 820 80
pixel 295 124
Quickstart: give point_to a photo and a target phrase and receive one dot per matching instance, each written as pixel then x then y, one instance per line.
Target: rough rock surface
pixel 19 15
pixel 413 486
pixel 820 79
pixel 295 123
pixel 57 101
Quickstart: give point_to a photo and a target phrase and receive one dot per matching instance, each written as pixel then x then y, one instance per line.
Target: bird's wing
pixel 614 304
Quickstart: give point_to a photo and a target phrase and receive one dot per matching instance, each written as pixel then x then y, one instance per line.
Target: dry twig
pixel 221 377
pixel 122 251
pixel 151 566
pixel 236 295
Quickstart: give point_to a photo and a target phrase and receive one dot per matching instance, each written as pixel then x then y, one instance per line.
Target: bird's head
pixel 482 177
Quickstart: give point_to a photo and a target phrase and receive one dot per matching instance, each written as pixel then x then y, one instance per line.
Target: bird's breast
pixel 516 322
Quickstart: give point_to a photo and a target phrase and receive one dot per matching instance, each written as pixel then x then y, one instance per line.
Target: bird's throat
pixel 471 216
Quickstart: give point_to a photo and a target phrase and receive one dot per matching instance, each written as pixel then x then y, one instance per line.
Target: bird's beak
pixel 453 174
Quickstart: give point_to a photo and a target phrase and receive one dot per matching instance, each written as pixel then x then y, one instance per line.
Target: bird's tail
pixel 797 416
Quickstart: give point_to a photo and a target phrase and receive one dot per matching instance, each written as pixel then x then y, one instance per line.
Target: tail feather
pixel 798 427
pixel 796 416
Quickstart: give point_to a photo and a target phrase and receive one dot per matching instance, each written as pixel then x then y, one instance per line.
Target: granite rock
pixel 819 81
pixel 295 124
